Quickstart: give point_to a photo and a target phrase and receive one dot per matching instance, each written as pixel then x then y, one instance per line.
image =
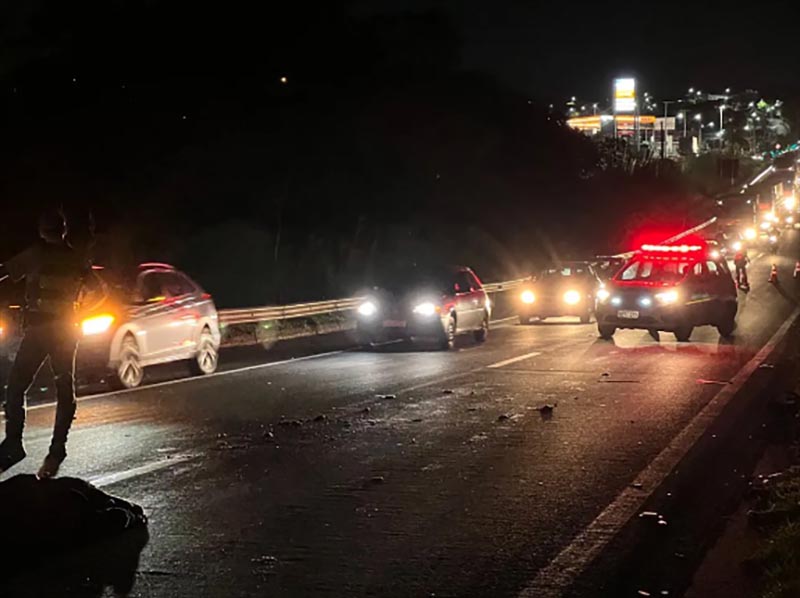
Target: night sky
pixel 556 49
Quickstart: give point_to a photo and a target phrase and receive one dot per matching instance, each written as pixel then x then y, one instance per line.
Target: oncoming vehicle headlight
pixel 789 220
pixel 667 297
pixel 425 309
pixel 367 309
pixel 715 254
pixel 750 234
pixel 765 225
pixel 527 297
pixel 572 297
pixel 773 239
pixel 737 246
pixel 602 295
pixel 96 324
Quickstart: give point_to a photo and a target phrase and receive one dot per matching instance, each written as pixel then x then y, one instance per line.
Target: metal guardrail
pixel 252 315
pixel 285 312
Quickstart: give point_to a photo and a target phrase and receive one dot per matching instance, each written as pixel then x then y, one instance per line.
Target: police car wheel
pixel 683 333
pixel 726 328
pixel 605 331
pixel 129 372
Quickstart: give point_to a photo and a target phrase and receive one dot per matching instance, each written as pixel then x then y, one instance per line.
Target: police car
pixel 672 288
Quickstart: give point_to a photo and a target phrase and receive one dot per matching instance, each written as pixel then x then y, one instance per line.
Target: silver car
pixel 155 315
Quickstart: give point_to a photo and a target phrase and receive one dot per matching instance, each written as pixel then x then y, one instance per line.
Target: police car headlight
pixel 425 309
pixel 602 295
pixel 667 297
pixel 97 324
pixel 367 309
pixel 572 297
pixel 527 297
pixel 645 302
pixel 616 301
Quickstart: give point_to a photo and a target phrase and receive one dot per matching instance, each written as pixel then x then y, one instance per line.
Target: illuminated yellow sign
pixel 624 95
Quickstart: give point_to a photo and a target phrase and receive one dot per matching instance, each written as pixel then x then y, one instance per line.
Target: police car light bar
pixel 672 248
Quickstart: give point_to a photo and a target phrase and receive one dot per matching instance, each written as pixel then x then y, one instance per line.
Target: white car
pixel 152 316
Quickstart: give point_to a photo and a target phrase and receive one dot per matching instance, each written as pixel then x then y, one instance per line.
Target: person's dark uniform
pixel 54 275
pixel 740 261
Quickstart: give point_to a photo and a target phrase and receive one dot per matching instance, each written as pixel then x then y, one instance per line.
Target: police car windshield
pixel 645 269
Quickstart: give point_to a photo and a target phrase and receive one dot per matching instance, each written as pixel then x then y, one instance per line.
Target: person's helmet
pixel 52 226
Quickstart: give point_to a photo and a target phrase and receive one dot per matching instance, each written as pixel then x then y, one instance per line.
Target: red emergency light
pixel 672 248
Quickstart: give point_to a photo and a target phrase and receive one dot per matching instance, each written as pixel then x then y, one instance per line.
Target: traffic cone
pixel 797 269
pixel 773 274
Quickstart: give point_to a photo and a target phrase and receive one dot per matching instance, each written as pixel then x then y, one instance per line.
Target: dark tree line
pixel 171 124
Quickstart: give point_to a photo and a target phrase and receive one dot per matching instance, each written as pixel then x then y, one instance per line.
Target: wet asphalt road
pixel 304 478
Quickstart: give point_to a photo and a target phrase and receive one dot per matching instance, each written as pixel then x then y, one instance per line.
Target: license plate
pixel 628 314
pixel 394 323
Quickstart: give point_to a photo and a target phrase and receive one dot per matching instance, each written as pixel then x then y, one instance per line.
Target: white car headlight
pixel 527 297
pixel 602 295
pixel 645 302
pixel 425 309
pixel 97 324
pixel 667 297
pixel 367 309
pixel 737 246
pixel 572 297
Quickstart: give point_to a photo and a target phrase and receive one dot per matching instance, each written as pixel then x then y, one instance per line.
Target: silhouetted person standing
pixel 53 275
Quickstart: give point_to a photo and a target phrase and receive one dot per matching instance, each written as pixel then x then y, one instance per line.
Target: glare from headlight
pixel 715 253
pixel 616 301
pixel 97 324
pixel 572 297
pixel 425 309
pixel 528 297
pixel 737 246
pixel 603 295
pixel 645 302
pixel 765 225
pixel 789 220
pixel 773 239
pixel 667 297
pixel 367 309
pixel 750 234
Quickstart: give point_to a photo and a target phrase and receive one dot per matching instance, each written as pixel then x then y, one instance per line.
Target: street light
pixel 682 116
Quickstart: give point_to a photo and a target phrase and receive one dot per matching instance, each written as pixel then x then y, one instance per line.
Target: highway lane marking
pixel 560 573
pixel 500 324
pixel 505 362
pixel 192 379
pixel 135 472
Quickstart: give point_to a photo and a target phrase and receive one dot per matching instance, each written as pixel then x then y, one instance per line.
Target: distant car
pixel 419 303
pixel 151 316
pixel 567 290
pixel 672 288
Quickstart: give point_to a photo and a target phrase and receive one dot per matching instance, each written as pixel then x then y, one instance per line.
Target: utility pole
pixel 664 129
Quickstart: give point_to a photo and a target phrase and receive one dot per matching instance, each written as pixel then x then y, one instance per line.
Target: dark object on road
pixel 60 513
pixel 546 411
pixel 502 417
pixel 387 397
pixel 87 539
pixel 773 274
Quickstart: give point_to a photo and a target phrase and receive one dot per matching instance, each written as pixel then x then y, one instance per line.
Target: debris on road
pixel 767 366
pixel 720 382
pixel 637 485
pixel 546 410
pixel 365 410
pixel 387 397
pixel 295 423
pixel 502 417
pixel 321 417
pixel 416 420
pixel 269 436
pixel 448 391
pixel 378 479
pixel 648 514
